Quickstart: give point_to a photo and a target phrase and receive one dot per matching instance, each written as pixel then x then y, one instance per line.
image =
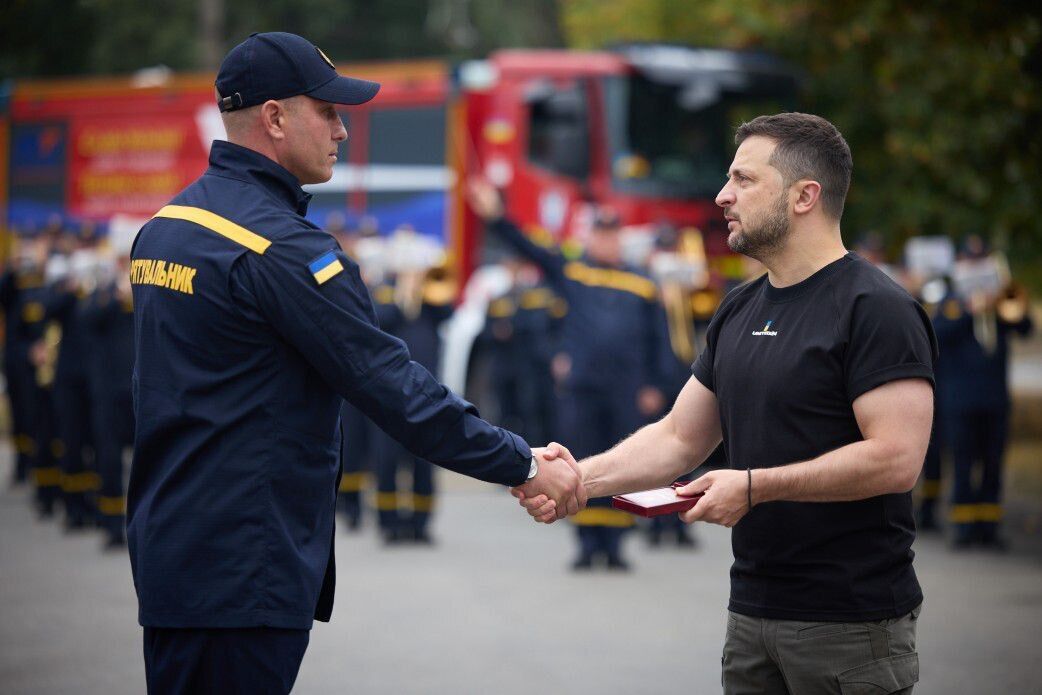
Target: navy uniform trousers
pixel 72 408
pixel 111 322
pixel 405 519
pixel 978 443
pixel 595 421
pixel 930 490
pixel 228 661
pixel 21 392
pixel 974 403
pixel 356 449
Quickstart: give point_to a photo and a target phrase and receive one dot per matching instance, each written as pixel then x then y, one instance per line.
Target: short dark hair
pixel 809 147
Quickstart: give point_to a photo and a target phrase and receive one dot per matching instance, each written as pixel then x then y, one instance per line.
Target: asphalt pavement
pixel 492 608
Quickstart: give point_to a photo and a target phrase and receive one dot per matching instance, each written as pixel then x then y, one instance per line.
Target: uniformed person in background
pixel 411 305
pixel 21 286
pixel 43 358
pixel 355 428
pixel 251 325
pixel 609 367
pixel 537 325
pixel 678 266
pixel 973 333
pixel 931 292
pixel 69 286
pixel 502 348
pixel 356 436
pixel 109 321
pixel 520 338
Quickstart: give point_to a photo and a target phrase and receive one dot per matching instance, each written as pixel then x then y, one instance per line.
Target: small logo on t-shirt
pixel 766 330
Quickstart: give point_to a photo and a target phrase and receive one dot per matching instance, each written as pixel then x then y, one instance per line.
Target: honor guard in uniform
pixel 355 428
pixel 973 330
pixel 45 334
pixel 537 331
pixel 109 318
pixel 356 434
pixel 251 326
pixel 931 294
pixel 503 348
pixel 69 289
pixel 20 297
pixel 411 306
pixel 521 336
pixel 610 364
pixel 678 266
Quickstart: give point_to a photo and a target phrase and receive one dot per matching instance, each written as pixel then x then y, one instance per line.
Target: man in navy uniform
pixel 109 318
pixel 610 364
pixel 405 520
pixel 251 326
pixel 20 287
pixel 975 404
pixel 72 397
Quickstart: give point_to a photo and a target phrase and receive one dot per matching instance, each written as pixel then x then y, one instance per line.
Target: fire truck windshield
pixel 674 139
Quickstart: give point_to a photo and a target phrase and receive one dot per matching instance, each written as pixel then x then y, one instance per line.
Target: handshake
pixel 557 490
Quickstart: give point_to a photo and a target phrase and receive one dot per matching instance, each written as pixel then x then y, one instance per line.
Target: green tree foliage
pixel 75 37
pixel 941 102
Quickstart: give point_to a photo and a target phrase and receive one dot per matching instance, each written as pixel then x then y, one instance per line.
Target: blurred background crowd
pixel 575 343
pixel 579 271
pixel 530 201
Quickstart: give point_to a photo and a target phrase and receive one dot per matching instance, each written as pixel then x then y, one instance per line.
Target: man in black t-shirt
pixel 818 378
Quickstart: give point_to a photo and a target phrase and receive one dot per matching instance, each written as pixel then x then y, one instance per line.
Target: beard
pixel 764 239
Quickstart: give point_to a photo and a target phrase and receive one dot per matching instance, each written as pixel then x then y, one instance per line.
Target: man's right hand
pixel 484 199
pixel 544 502
pixel 557 490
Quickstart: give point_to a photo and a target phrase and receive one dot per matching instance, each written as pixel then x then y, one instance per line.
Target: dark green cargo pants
pixel 792 657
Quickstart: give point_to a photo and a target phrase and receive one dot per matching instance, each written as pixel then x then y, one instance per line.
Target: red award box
pixel 649 503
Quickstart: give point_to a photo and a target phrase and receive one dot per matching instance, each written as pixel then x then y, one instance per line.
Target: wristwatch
pixel 533 468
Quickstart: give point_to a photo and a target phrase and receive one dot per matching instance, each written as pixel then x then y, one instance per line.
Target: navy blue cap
pixel 607 218
pixel 278 65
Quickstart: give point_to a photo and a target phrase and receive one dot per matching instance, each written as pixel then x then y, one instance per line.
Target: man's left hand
pixel 726 498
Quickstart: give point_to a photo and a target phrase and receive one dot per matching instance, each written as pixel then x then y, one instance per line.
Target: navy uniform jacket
pixel 68 307
pixel 614 328
pixel 250 325
pixel 110 323
pixel 23 299
pixel 969 378
pixel 420 334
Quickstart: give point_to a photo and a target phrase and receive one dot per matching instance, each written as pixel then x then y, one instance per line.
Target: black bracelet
pixel 749 491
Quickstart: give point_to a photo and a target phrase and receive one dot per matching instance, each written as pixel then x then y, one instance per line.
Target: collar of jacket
pixel 243 164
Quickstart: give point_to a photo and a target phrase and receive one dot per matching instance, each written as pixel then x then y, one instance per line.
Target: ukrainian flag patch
pixel 325 267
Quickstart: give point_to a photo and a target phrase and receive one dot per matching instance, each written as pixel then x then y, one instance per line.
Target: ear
pixel 808 194
pixel 273 115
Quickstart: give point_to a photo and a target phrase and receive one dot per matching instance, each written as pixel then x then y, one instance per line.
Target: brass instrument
pixel 45 354
pixel 408 292
pixel 681 321
pixel 1013 303
pixel 1009 303
pixel 420 270
pixel 679 274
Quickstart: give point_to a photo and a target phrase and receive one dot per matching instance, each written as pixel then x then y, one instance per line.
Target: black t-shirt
pixel 786 364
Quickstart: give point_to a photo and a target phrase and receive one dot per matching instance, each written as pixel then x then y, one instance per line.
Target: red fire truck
pixel 645 128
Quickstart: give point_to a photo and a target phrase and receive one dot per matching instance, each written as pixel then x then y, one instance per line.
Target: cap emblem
pixel 325 57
